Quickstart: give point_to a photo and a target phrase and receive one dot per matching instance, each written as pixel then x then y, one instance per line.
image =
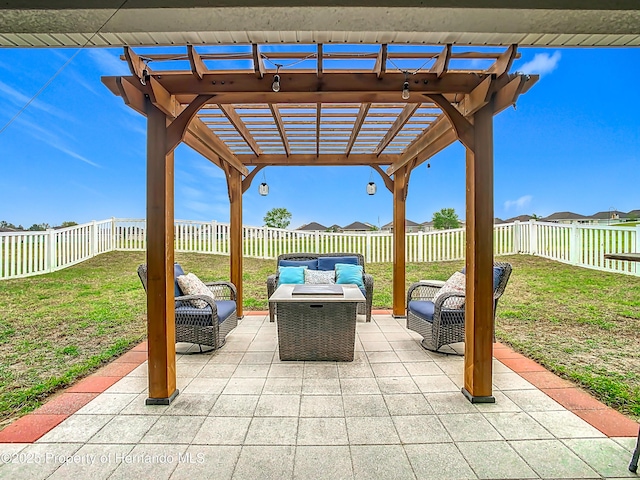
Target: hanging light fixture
pixel 263 189
pixel 275 86
pixel 371 186
pixel 405 87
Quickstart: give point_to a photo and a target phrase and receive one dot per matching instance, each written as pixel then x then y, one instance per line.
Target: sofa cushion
pixel 189 315
pixel 347 273
pixel 293 275
pixel 329 263
pixel 310 264
pixel 425 310
pixel 190 284
pixel 319 277
pixel 455 284
pixel 177 271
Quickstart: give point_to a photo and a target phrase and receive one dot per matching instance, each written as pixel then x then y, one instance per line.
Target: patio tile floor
pixel 395 412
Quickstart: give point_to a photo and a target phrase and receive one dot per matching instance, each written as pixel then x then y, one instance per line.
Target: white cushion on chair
pixel 192 285
pixel 455 284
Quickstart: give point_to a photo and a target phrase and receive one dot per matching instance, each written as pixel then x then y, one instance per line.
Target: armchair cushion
pixel 190 284
pixel 348 273
pixel 293 275
pixel 310 264
pixel 423 309
pixel 177 271
pixel 319 277
pixel 329 263
pixel 455 284
pixel 189 315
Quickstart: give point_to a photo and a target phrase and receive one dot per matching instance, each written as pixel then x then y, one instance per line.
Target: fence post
pixel 214 237
pixel 51 249
pixel 517 235
pixel 317 239
pixel 113 233
pixel 367 247
pixel 574 244
pixel 94 238
pixel 420 246
pixel 636 265
pixel 533 237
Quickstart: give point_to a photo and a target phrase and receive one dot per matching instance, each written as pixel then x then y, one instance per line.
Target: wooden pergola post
pixel 400 181
pixel 160 257
pixel 478 367
pixel 234 180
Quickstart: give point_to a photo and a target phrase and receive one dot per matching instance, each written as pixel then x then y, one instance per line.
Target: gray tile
pixel 188 370
pixel 283 386
pixel 216 370
pixel 435 383
pixel 359 386
pixel 222 431
pixel 383 346
pixel 371 431
pixel 140 371
pixel 450 365
pixel 408 404
pixel 517 426
pixel 354 370
pixel 533 400
pixel 380 462
pixel 382 357
pixel 365 406
pixel 423 368
pixel 91 461
pixel 257 358
pixel 203 461
pixel 320 370
pixel 268 462
pixel 566 424
pixel 413 355
pixel 322 431
pixel 278 406
pixel 511 381
pixel 495 460
pixel 321 406
pixel 129 385
pixel 36 465
pixel 235 406
pixel 125 429
pixel 629 443
pixel 323 463
pixel 107 404
pixel 450 402
pixel 438 460
pixel 137 468
pixel 503 403
pixel 205 385
pixel 250 371
pixel 138 407
pixel 389 370
pixel 272 431
pixel 420 429
pixel 76 428
pixel 552 459
pixel 286 371
pixel 465 427
pixel 409 345
pixel 244 386
pixel 224 357
pixel 173 430
pixel 389 385
pixel 191 404
pixel 321 386
pixel 604 455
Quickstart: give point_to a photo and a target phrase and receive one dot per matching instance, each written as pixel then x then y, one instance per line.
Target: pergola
pixel 389 107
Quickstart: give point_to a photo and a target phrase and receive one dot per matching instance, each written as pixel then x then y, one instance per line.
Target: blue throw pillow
pixel 177 271
pixel 347 273
pixel 497 275
pixel 291 275
pixel 329 263
pixel 310 264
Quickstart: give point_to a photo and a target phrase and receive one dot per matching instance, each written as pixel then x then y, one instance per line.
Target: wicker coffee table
pixel 317 326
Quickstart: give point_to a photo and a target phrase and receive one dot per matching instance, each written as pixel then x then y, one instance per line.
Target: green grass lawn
pixel 55 328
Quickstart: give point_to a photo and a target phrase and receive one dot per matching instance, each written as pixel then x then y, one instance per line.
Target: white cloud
pixel 519 204
pixel 108 63
pixel 20 99
pixel 542 63
pixel 208 169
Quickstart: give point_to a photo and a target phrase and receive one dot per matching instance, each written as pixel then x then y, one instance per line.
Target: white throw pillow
pixel 455 284
pixel 319 277
pixel 192 285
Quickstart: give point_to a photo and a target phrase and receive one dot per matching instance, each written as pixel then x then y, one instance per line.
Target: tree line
pixel 36 227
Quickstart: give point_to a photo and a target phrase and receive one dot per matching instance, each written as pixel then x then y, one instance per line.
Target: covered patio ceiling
pixel 387 106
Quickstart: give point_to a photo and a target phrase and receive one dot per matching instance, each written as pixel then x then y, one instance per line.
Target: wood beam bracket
pixel 504 62
pixel 177 129
pixel 380 67
pixel 319 60
pixel 198 68
pixel 246 182
pixel 131 95
pixel 137 65
pixel 258 65
pixel 462 126
pixel 441 64
pixel 388 182
pixel 478 98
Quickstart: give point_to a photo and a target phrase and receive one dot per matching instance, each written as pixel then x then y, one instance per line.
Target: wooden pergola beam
pixel 198 68
pixel 504 62
pixel 441 64
pixel 319 73
pixel 246 182
pixel 283 134
pixel 380 67
pixel 194 142
pixel 403 118
pixel 362 115
pixel 462 126
pixel 258 65
pixel 137 65
pixel 324 160
pixel 240 127
pixel 318 125
pixel 476 99
pixel 388 182
pixel 211 140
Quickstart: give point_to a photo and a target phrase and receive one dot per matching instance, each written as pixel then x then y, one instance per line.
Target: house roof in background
pixel 407 223
pixel 357 226
pixel 519 218
pixel 564 216
pixel 605 215
pixel 312 227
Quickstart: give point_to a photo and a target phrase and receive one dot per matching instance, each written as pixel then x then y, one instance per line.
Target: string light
pixel 275 86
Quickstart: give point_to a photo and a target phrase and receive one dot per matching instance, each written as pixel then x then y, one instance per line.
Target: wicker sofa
pixel 363 309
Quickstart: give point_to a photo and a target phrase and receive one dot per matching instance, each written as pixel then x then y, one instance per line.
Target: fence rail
pixel 24 254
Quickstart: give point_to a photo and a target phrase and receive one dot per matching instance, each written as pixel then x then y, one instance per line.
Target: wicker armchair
pixel 203 326
pixel 363 309
pixel 438 323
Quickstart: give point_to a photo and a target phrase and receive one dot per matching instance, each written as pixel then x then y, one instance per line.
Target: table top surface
pixel 351 293
pixel 631 257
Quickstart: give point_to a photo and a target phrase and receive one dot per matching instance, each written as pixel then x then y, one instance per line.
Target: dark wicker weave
pixel 312 331
pixel 201 325
pixel 448 324
pixel 363 309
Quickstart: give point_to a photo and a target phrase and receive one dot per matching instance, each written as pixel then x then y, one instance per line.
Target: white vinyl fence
pixel 24 254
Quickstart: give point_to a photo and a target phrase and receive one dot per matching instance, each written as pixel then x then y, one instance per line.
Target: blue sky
pixel 77 153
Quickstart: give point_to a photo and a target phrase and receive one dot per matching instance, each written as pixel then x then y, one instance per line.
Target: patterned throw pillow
pixel 455 284
pixel 192 285
pixel 319 277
